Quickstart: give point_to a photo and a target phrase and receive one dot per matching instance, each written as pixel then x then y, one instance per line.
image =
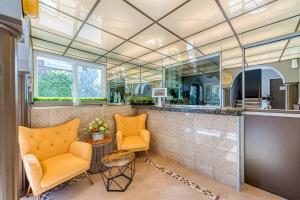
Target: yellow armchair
pixel 53 155
pixel 131 133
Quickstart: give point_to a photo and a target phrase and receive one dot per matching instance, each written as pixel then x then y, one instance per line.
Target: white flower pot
pixel 98 136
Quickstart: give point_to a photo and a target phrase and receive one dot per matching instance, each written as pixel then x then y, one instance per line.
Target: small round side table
pixel 99 149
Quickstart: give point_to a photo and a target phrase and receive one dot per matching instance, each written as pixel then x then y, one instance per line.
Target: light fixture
pixel 31 8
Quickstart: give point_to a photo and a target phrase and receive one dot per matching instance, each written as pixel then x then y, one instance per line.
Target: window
pixel 57 76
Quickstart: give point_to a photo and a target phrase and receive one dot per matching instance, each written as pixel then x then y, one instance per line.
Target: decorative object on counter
pixel 99 149
pixel 93 101
pixel 141 100
pixel 266 103
pixel 52 101
pixel 159 93
pixel 98 128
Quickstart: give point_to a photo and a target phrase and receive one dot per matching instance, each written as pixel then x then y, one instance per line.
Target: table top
pixel 118 158
pixel 107 139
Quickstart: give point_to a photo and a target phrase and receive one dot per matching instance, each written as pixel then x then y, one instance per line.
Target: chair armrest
pixel 82 150
pixel 34 172
pixel 145 134
pixel 119 137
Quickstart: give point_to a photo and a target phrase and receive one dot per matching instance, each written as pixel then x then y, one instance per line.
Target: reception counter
pixel 272 151
pixel 204 139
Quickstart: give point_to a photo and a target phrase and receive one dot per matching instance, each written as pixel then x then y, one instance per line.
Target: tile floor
pixel 151 183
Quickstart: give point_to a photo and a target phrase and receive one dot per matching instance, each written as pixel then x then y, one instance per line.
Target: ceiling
pixel 127 34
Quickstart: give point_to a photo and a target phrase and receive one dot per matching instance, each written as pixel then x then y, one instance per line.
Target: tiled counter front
pixel 207 143
pixel 50 116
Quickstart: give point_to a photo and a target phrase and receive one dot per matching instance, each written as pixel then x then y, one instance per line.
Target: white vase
pixel 98 136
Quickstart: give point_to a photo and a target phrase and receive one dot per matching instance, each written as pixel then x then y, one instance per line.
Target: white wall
pixel 266 75
pixel 24 48
pixel 11 8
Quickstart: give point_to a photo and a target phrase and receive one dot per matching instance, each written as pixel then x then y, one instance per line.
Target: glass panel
pixel 89 82
pixel 272 75
pixel 54 77
pixel 150 78
pixel 195 82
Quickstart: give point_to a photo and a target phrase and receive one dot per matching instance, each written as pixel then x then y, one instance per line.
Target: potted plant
pixel 98 128
pixel 141 100
pixel 92 101
pixel 52 101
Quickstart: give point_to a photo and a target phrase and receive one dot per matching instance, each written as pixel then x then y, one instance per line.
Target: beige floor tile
pixel 150 183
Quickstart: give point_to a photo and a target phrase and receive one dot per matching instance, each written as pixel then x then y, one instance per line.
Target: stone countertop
pixel 187 109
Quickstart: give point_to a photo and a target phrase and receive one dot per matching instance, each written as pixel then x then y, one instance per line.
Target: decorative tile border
pixel 183 180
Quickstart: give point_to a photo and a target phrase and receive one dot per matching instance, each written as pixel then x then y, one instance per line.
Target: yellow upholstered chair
pixel 53 155
pixel 131 133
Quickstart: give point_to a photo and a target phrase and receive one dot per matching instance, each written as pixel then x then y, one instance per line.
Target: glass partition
pixel 272 73
pixel 194 82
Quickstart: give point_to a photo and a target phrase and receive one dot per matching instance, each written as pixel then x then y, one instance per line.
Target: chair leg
pixel 89 178
pixel 28 191
pixel 147 154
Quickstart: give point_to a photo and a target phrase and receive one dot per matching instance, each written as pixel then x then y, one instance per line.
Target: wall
pixel 24 48
pixel 11 8
pixel 50 116
pixel 266 75
pixel 289 74
pixel 203 142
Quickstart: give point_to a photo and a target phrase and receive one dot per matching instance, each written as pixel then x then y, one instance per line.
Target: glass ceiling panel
pixel 77 8
pixel 191 54
pixel 175 48
pixel 118 57
pixel 276 47
pixel 119 18
pixel 156 8
pixel 265 57
pixel 292 52
pixel 56 22
pixel 88 48
pixel 211 35
pixel 48 45
pixel 263 61
pixel 271 13
pixel 154 37
pixel 192 17
pixel 234 8
pixel 150 57
pixel 211 48
pixel 232 63
pixel 232 53
pixel 49 36
pixel 81 54
pixel 36 48
pixel 270 31
pixel 95 37
pixel 131 50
